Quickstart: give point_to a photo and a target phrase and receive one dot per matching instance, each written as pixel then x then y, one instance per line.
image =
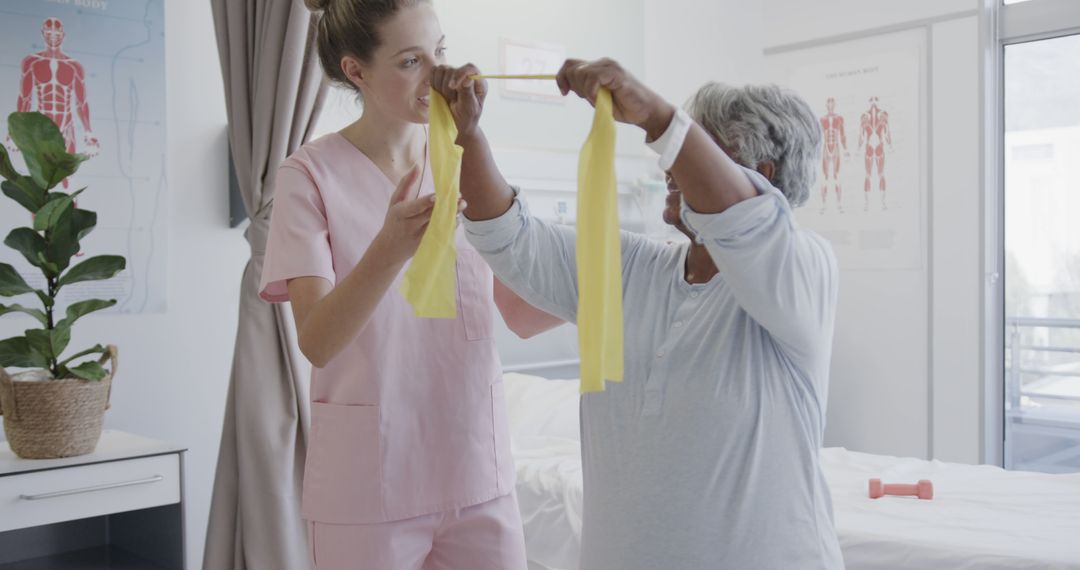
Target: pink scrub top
pixel 410 418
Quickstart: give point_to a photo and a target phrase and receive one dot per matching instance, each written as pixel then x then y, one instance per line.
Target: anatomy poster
pixel 97 69
pixel 868 197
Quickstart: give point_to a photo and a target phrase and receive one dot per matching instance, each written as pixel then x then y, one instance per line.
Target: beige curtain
pixel 273 91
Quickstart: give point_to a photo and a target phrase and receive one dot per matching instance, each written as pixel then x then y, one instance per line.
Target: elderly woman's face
pixel 673 206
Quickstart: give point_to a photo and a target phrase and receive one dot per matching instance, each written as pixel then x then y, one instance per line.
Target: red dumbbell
pixel 924 489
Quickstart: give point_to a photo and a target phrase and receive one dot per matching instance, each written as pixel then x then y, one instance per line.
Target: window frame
pixel 1001 26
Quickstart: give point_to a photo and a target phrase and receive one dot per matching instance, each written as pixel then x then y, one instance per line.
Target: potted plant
pixel 56 407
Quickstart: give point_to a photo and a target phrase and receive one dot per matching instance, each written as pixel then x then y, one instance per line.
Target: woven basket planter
pixel 46 419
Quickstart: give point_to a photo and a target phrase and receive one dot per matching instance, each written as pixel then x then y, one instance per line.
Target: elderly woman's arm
pixel 485 191
pixel 783 277
pixel 533 259
pixel 710 181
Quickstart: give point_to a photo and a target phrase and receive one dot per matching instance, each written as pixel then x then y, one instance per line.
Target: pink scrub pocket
pixel 343 472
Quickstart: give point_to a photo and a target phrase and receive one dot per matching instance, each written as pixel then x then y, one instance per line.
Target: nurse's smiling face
pixel 397 79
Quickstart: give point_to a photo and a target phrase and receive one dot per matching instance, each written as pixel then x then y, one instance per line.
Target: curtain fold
pixel 274 89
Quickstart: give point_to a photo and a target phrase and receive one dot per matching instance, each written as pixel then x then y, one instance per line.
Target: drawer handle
pixel 55 494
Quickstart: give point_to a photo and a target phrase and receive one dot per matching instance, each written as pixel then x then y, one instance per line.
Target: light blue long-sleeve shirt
pixel 706 455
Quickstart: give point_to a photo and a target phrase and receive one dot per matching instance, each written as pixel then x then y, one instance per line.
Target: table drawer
pixel 69 493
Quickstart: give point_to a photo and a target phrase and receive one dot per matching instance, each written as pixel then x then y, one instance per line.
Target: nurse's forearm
pixel 482 185
pixel 337 318
pixel 523 319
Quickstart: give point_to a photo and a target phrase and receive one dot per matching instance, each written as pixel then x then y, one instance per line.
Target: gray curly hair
pixel 762 123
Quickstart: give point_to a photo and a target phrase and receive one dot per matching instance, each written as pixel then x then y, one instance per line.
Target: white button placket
pixel 662 356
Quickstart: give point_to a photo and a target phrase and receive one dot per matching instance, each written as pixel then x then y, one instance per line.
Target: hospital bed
pixel 981 517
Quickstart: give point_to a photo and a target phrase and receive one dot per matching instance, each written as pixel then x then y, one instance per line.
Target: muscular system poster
pixel 868 198
pixel 97 69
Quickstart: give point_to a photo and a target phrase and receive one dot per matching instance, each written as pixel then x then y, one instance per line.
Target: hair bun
pixel 317 5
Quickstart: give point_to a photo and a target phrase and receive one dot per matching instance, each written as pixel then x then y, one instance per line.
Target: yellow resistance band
pixel 475 77
pixel 430 280
pixel 599 261
pixel 430 283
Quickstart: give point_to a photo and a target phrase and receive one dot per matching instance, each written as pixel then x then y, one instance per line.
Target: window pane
pixel 1042 255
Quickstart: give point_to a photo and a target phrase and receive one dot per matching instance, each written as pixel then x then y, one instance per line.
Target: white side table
pixel 119 507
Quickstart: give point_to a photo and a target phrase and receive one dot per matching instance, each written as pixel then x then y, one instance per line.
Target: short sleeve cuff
pixel 494 234
pixel 739 219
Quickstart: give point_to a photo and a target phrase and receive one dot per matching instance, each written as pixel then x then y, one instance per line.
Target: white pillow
pixel 542 407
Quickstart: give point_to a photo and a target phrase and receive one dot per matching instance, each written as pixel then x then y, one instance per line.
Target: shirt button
pixel 678 324
pixel 694 295
pixel 660 354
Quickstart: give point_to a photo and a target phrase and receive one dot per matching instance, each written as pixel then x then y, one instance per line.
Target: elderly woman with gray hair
pixel 706 455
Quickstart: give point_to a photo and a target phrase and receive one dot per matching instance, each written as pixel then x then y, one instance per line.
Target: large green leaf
pixel 40 342
pixel 49 214
pixel 29 243
pixel 43 148
pixel 36 313
pixel 89 370
pixel 7 170
pixel 11 283
pixel 77 310
pixel 52 343
pixel 24 191
pixel 97 349
pixel 16 351
pixel 66 234
pixel 94 269
pixel 83 222
pixel 61 337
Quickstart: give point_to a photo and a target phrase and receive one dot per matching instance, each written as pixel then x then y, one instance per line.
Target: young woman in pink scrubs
pixel 408 463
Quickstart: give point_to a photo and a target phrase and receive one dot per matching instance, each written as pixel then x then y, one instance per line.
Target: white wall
pixel 473 31
pixel 174 367
pixel 880 309
pixel 956 213
pixel 689 42
pixel 792 21
pixel 598 28
pixel 906 362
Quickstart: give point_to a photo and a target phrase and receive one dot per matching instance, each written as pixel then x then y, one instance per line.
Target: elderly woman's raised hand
pixel 464 95
pixel 633 102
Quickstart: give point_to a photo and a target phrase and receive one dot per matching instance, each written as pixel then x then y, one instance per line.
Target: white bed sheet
pixel 981 517
pixel 547 452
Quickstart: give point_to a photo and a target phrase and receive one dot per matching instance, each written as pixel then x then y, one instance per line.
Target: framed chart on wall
pixel 97 69
pixel 530 58
pixel 869 97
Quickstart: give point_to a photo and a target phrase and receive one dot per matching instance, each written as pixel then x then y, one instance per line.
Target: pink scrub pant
pixel 487 536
